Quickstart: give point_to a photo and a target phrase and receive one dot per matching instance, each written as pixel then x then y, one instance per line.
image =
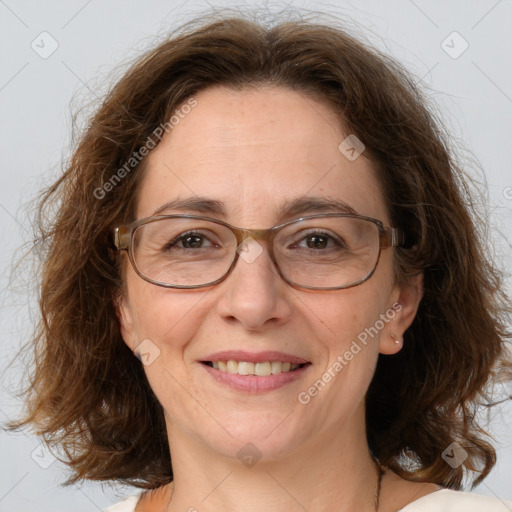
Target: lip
pixel 254 357
pixel 252 383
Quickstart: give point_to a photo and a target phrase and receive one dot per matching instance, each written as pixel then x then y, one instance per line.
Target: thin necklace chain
pixel 378 487
pixel 380 473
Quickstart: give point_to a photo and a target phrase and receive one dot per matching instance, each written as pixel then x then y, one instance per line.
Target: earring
pixel 397 341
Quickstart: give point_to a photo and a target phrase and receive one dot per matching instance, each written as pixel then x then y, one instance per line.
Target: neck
pixel 336 472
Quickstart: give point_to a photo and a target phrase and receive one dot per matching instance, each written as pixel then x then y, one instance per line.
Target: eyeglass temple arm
pixel 122 238
pixel 392 237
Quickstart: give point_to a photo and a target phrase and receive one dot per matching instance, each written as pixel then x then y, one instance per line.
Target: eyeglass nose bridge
pixel 262 235
pixel 258 235
pixel 265 235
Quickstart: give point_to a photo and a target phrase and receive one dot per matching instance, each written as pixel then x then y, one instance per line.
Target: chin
pixel 257 437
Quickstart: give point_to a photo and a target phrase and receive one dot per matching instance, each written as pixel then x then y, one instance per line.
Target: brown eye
pixel 317 241
pixel 192 241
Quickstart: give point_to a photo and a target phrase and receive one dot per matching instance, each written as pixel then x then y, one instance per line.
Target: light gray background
pixel 473 91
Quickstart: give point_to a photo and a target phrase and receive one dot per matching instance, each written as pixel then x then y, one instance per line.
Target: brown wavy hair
pixel 89 394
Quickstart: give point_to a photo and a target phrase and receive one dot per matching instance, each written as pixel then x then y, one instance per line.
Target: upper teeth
pixel 261 369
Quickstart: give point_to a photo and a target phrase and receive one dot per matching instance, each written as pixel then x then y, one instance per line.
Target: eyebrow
pixel 317 205
pixel 195 204
pixel 204 205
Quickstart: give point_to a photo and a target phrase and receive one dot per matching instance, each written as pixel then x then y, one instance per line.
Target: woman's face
pixel 253 153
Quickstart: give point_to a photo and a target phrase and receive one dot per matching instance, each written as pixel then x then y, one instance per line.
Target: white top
pixel 127 505
pixel 444 500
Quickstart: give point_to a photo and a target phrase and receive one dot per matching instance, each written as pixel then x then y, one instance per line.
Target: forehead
pixel 255 151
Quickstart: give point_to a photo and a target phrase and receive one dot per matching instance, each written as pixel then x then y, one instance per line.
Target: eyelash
pixel 182 236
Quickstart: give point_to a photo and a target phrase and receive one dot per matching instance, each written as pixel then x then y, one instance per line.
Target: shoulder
pixel 128 505
pixel 446 500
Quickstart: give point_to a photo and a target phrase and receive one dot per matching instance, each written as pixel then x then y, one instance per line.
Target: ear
pixel 125 318
pixel 406 300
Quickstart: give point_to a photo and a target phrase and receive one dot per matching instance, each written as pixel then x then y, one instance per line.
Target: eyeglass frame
pixel 123 239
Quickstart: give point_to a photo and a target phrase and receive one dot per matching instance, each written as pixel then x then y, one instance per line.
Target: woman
pixel 264 288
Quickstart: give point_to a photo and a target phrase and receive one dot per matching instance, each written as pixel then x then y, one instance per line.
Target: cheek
pixel 167 323
pixel 348 324
pixel 338 317
pixel 167 317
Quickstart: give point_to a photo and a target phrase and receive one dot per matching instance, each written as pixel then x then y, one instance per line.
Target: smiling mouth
pixel 263 369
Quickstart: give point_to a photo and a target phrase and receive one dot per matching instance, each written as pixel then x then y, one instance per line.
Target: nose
pixel 254 295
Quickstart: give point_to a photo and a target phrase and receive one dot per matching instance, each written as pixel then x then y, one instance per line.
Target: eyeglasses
pixel 318 252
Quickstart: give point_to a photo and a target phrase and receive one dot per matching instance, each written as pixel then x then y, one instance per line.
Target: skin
pixel 253 150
